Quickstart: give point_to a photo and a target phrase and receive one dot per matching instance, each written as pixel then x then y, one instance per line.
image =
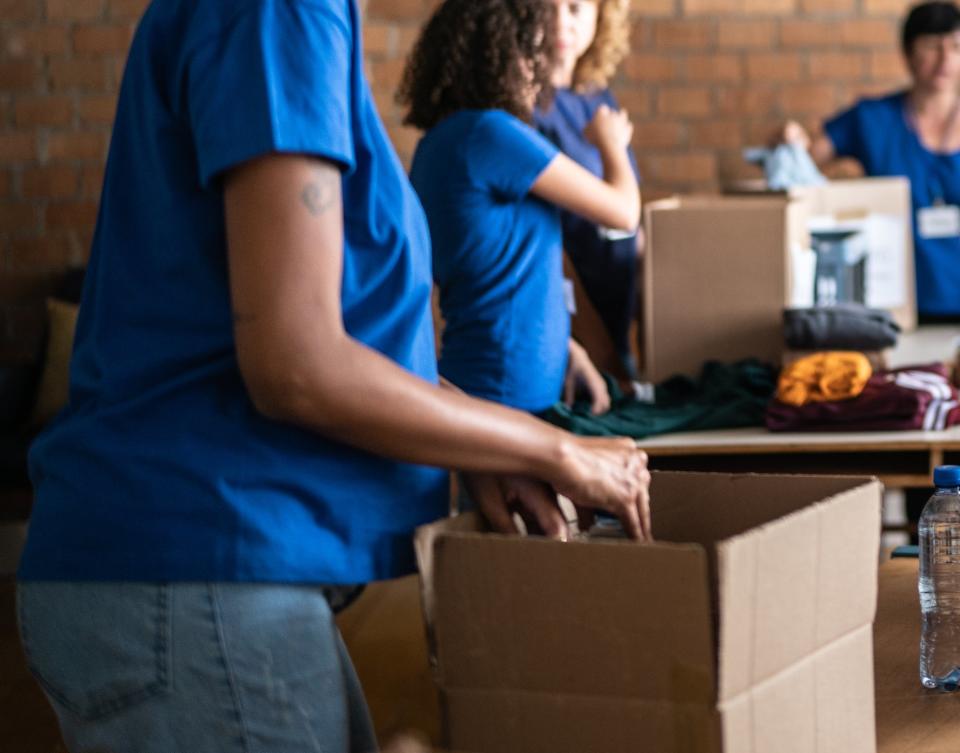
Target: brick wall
pixel 706 77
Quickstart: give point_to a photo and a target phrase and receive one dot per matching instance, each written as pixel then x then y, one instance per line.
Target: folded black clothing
pixel 846 326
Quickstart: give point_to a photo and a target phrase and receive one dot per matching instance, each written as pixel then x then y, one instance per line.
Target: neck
pixel 935 102
pixel 563 75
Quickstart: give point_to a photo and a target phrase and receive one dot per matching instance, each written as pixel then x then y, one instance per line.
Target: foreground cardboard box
pixel 719 270
pixel 746 628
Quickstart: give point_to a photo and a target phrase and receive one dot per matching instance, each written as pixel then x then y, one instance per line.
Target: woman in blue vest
pixel 492 188
pixel 592 38
pixel 255 425
pixel 914 133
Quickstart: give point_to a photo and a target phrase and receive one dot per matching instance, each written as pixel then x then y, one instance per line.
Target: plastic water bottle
pixel 940 582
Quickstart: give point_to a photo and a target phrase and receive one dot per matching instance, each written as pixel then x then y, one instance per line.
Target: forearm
pixel 355 395
pixel 618 174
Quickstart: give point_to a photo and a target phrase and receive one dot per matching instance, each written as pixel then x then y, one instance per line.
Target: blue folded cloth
pixel 786 166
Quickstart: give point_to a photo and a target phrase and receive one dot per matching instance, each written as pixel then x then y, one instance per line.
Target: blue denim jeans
pixel 193 668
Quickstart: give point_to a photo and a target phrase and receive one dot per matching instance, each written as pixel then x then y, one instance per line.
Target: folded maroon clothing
pixel 914 397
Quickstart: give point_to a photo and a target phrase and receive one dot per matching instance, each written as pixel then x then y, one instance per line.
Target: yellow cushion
pixel 55 381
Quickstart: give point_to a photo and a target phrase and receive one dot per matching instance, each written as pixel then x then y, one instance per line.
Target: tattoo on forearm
pixel 321 194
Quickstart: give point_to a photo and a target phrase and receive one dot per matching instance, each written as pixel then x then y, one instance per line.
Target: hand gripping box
pixel 746 627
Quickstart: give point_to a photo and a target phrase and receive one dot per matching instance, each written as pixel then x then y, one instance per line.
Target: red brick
pixel 763 130
pixel 19 75
pixel 769 7
pixel 825 7
pixel 57 182
pixel 18 146
pixel 806 33
pixel 869 32
pixel 711 7
pixel 127 9
pixel 657 134
pixel 753 34
pixel 895 8
pixel 774 66
pixel 397 10
pixel 683 34
pixel 12 11
pixel 97 108
pixel 41 110
pixel 83 73
pixel 74 10
pixel 682 168
pixel 714 68
pixel 684 100
pixel 76 145
pixel 836 66
pixel 71 215
pixel 887 65
pixel 18 217
pixel 378 38
pixel 650 8
pixel 386 74
pixel 648 67
pixel 102 38
pixel 36 40
pixel 746 101
pixel 634 100
pixel 91 181
pixel 796 99
pixel 733 167
pixel 724 134
pixel 6 183
pixel 47 251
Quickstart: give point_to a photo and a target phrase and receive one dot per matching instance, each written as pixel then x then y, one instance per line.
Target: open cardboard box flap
pixel 758 590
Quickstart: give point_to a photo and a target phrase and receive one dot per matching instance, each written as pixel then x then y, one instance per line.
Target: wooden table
pixel 898 458
pixel 910 719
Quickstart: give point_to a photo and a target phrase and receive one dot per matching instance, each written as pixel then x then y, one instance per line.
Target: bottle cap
pixel 946 475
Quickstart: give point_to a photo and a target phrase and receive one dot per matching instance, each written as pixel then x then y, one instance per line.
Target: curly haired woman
pixel 592 39
pixel 491 187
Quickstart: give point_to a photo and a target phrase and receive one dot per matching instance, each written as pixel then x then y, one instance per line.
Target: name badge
pixel 942 221
pixel 568 296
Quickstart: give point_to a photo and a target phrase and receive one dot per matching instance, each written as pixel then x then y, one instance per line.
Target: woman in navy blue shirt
pixel 592 39
pixel 492 187
pixel 915 133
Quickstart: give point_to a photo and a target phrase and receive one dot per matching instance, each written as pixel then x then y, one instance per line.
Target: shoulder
pixel 885 106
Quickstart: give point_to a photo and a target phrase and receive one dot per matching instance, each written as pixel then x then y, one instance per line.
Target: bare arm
pixel 285 247
pixel 613 201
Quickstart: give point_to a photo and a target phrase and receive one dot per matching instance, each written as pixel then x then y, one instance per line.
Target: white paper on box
pixel 884 236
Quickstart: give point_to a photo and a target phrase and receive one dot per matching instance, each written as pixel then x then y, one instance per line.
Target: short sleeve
pixel 507 154
pixel 843 130
pixel 276 78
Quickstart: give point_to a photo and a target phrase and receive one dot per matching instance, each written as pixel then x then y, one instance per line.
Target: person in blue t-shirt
pixel 914 133
pixel 255 424
pixel 492 187
pixel 592 39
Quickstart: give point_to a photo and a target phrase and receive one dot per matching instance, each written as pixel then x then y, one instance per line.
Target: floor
pixel 383 630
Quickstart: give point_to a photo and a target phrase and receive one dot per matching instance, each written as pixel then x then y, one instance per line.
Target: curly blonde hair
pixel 610 45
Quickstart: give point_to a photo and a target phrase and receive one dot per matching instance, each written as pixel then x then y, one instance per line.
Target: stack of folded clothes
pixel 836 392
pixel 847 326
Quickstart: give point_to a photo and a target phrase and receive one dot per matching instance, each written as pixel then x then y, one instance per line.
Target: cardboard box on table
pixel 746 627
pixel 719 270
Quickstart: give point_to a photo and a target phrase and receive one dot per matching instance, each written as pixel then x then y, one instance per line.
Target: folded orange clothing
pixel 822 377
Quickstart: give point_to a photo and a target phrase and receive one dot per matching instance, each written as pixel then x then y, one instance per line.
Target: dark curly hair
pixel 474 54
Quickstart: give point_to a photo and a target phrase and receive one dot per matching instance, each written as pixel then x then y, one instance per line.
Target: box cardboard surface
pixel 716 279
pixel 719 270
pixel 746 627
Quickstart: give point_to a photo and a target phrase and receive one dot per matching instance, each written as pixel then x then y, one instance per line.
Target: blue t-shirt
pixel 605 261
pixel 161 468
pixel 876 133
pixel 496 257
